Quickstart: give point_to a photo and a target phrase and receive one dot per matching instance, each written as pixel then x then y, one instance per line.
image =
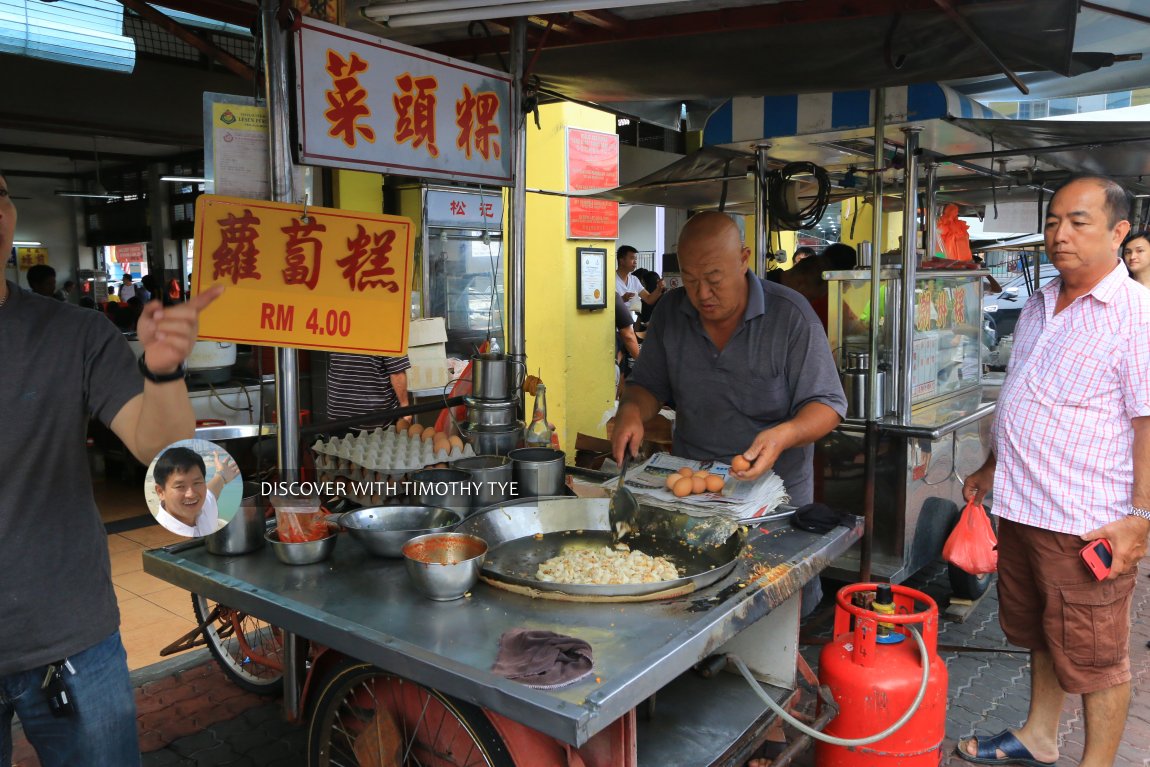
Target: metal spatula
pixel 623 511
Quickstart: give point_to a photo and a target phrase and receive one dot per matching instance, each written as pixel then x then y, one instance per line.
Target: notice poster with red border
pixel 592 165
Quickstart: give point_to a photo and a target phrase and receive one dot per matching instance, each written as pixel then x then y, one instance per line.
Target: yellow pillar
pixel 356 190
pixel 864 212
pixel 573 351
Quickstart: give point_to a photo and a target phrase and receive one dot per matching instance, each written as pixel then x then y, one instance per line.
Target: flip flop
pixel 1007 743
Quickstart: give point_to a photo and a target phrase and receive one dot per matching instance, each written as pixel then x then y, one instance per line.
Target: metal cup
pixel 538 471
pixel 453 481
pixel 244 533
pixel 492 473
pixel 493 376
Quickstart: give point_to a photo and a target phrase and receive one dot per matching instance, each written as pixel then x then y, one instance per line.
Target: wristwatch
pixel 176 375
pixel 1136 511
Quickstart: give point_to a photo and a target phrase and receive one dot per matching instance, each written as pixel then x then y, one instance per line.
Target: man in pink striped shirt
pixel 1071 463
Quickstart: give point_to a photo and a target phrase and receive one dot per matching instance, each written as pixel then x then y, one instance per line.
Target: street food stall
pixel 389 655
pixel 351 625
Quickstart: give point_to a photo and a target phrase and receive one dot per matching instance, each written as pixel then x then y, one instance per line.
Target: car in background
pixel 1003 308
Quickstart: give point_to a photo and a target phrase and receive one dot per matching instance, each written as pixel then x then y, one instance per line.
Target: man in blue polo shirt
pixel 745 361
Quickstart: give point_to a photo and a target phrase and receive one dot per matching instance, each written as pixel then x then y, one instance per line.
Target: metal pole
pixel 762 211
pixel 901 378
pixel 872 435
pixel 517 207
pixel 874 407
pixel 287 384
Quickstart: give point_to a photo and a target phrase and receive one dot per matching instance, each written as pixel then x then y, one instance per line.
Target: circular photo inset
pixel 193 487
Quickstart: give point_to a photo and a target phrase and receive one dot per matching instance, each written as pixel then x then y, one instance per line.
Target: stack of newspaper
pixel 739 500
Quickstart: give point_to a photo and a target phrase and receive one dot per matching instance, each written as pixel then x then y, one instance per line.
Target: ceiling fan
pixel 99 191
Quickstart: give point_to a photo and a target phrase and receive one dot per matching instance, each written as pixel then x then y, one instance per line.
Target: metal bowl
pixel 307 553
pixel 444 566
pixel 384 529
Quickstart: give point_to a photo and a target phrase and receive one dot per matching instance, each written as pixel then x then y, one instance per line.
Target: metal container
pixel 493 440
pixel 538 471
pixel 444 566
pixel 492 412
pixel 855 387
pixel 493 376
pixel 445 488
pixel 383 530
pixel 493 474
pixel 244 533
pixel 306 553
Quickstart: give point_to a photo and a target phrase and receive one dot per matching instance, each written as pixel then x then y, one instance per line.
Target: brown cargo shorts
pixel 1048 600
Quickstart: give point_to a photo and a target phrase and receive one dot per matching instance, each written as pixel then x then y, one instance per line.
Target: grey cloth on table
pixel 542 659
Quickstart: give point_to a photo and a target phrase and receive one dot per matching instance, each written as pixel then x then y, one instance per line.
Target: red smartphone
pixel 1098 557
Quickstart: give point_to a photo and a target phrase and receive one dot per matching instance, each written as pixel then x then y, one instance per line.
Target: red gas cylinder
pixel 874 680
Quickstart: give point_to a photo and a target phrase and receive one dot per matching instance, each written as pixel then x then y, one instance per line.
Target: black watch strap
pixel 177 375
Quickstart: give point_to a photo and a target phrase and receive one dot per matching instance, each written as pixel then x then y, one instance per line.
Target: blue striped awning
pixel 750 118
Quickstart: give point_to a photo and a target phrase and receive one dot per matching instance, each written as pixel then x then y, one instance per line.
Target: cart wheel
pixel 965 585
pixel 249 650
pixel 363 715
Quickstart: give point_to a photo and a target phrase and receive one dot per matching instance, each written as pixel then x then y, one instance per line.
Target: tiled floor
pixel 152 613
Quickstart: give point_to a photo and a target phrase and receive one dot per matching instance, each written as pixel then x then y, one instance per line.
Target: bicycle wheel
pixel 249 650
pixel 364 715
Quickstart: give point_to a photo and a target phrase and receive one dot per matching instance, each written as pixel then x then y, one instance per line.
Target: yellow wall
pixel 356 190
pixel 863 229
pixel 572 351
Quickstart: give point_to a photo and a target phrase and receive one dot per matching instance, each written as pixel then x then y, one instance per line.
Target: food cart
pixel 353 632
pixel 642 704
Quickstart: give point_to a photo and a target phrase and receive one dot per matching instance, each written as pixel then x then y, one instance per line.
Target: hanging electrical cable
pixel 780 181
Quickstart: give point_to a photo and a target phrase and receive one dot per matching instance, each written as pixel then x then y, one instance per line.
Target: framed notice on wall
pixel 591 278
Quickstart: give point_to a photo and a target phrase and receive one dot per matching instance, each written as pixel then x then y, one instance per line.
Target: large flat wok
pixel 522 534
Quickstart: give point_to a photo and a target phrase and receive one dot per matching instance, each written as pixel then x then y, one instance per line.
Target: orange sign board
pixel 592 164
pixel 333 280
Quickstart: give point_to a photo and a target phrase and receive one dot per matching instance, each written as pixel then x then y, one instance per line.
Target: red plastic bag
pixel 972 545
pixel 953 234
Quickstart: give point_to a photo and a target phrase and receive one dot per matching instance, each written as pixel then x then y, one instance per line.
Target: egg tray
pixel 384 451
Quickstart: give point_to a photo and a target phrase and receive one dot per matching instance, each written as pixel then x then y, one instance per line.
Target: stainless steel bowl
pixel 307 553
pixel 384 529
pixel 444 566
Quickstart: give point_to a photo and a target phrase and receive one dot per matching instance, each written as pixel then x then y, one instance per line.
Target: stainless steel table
pixel 365 608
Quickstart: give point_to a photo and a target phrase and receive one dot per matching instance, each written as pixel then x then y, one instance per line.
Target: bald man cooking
pixel 746 363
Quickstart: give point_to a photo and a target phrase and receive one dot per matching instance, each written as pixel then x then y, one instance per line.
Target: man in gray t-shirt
pixel 745 362
pixel 60 365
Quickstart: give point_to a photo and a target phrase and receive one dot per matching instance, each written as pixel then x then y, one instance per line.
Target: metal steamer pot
pixel 493 376
pixel 492 440
pixel 521 535
pixel 491 413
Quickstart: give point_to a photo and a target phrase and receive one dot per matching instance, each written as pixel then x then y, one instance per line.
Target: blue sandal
pixel 1007 743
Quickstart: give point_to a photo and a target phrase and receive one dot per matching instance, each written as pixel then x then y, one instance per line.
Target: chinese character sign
pixel 332 280
pixel 592 164
pixel 366 103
